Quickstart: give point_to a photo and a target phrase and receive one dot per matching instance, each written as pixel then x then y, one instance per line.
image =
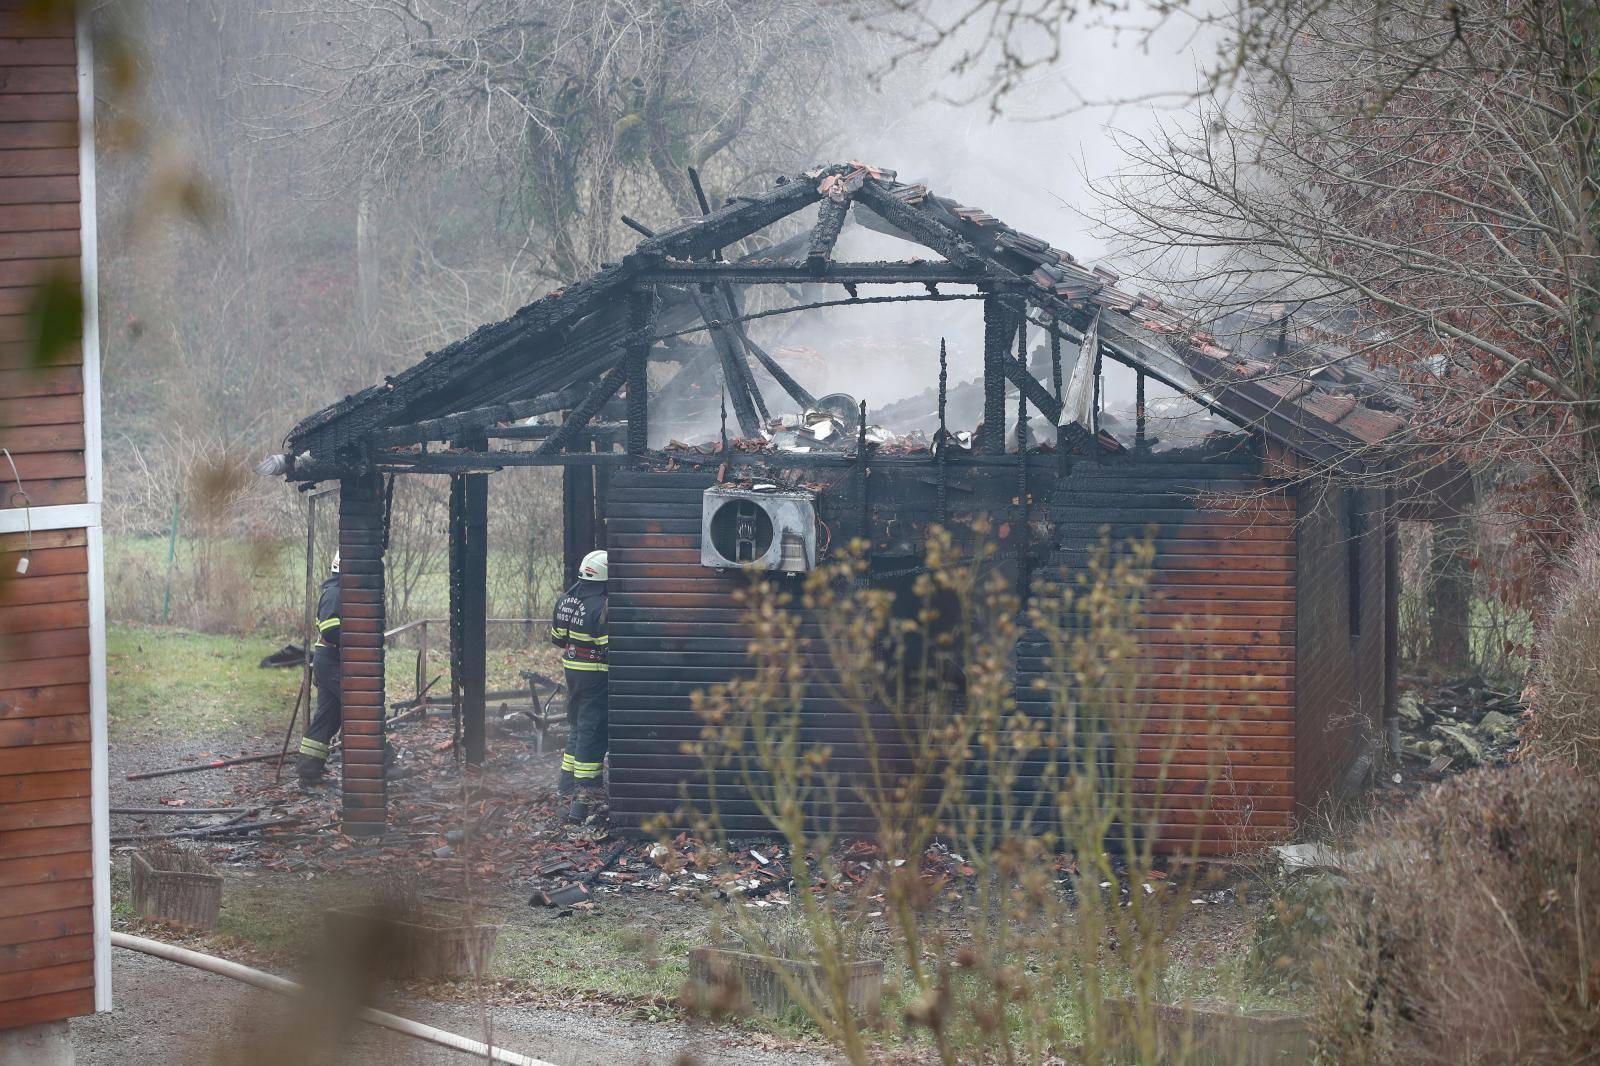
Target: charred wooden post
pixel 1138 410
pixel 469 552
pixel 578 514
pixel 455 554
pixel 361 611
pixel 862 473
pixel 1055 358
pixel 1021 480
pixel 641 329
pixel 942 441
pixel 999 323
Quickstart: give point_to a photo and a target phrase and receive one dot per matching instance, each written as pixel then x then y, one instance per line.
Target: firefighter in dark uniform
pixel 324 725
pixel 579 629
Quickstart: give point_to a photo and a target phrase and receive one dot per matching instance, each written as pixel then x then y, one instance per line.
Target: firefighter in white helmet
pixel 579 629
pixel 315 743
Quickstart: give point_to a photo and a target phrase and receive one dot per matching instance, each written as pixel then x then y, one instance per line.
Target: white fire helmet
pixel 593 567
pixel 333 567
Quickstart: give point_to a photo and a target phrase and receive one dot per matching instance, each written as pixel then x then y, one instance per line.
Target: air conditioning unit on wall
pixel 748 529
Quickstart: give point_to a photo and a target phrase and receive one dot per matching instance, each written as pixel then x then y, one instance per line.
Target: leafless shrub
pixel 1467 934
pixel 1066 814
pixel 1566 684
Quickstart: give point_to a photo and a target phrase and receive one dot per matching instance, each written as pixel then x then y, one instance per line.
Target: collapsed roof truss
pixel 573 349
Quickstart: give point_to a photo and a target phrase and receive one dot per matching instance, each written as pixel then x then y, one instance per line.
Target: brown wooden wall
pixel 46 868
pixel 41 410
pixel 1223 608
pixel 1340 695
pixel 676 627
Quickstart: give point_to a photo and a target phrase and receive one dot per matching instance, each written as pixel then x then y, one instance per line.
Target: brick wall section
pixel 361 652
pixel 1225 572
pixel 46 866
pixel 1339 700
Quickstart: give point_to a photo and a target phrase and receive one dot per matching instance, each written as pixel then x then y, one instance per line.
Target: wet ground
pixel 172 1015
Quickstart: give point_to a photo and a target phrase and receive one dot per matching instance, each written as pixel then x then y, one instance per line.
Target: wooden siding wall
pixel 1225 570
pixel 1341 691
pixel 675 626
pixel 46 868
pixel 40 410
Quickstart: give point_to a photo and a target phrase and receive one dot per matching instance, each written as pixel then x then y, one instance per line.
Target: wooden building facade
pixel 1273 532
pixel 55 955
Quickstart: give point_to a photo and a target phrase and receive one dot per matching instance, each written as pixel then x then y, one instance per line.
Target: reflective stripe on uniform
pixel 568 763
pixel 557 633
pixel 586 770
pixel 328 623
pixel 577 634
pixel 575 664
pixel 314 748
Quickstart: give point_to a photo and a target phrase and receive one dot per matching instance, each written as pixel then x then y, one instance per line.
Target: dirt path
pixel 171 1015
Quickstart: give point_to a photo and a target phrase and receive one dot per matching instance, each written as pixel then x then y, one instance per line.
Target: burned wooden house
pixel 1301 581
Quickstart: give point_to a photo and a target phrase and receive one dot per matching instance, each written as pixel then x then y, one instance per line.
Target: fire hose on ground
pixel 283 986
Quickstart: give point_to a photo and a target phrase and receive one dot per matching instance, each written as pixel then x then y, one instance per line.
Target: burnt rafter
pixel 735 370
pixel 1016 371
pixel 542 326
pixel 796 391
pixel 480 418
pixel 786 382
pixel 587 408
pixel 571 336
pixel 918 226
pixel 830 222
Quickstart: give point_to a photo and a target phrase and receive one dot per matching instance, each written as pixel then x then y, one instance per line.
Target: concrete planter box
pixel 421 947
pixel 1202 1034
pixel 730 981
pixel 176 886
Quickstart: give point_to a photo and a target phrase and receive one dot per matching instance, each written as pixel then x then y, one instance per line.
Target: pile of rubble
pixel 1458 725
pixel 832 426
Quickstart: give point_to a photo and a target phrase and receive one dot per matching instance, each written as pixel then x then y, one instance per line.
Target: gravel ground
pixel 172 1015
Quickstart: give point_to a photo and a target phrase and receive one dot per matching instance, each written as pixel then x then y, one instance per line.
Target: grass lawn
pixel 163 682
pixel 601 952
pixel 168 682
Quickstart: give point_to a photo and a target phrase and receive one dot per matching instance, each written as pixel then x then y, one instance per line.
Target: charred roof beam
pixel 479 418
pixel 877 273
pixel 830 221
pixel 735 370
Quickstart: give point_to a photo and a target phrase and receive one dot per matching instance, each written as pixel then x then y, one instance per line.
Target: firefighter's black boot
pixel 309 769
pixel 588 801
